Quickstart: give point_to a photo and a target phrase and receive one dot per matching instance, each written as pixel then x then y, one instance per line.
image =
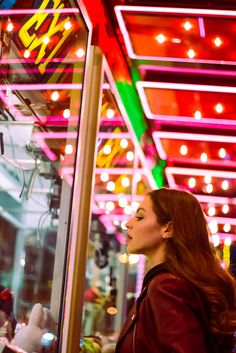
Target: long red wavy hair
pixel 190 255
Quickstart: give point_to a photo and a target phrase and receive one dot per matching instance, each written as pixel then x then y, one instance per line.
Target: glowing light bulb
pixel 110 113
pixel 213 226
pixel 122 202
pixel 110 206
pixel 133 259
pixel 217 41
pixel 225 184
pixel 123 258
pixel 160 38
pixel 10 27
pixel 66 113
pixel 104 177
pixel 215 240
pixel 176 40
pixel 107 149
pixel 192 182
pixel 135 205
pixel 187 25
pixel 211 211
pixel 125 182
pixel 225 209
pixel 124 143
pixel 80 53
pixel 123 225
pixel 219 108
pixel 111 186
pixel 111 310
pixel 130 156
pixel 67 25
pixel 197 115
pixel 68 149
pixel 228 241
pixel 128 210
pixel 208 179
pixel 209 188
pixel 203 157
pixel 46 40
pixel 184 150
pixel 222 153
pixel 227 227
pixel 191 53
pixel 55 96
pixel 26 54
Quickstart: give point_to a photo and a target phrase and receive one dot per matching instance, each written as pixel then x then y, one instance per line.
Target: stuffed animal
pixel 33 337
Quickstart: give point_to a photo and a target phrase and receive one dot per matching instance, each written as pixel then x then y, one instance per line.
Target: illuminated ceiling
pixel 182 63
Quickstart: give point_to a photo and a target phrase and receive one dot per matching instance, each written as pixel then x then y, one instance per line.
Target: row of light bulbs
pixel 208 188
pixel 203 157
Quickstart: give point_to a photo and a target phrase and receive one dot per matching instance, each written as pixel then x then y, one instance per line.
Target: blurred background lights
pixel 68 149
pixel 110 206
pixel 107 149
pixel 125 182
pixel 211 211
pixel 46 40
pixel 104 177
pixel 130 156
pixel 192 182
pixel 187 25
pixel 26 54
pixel 80 53
pixel 10 27
pixel 228 241
pixel 67 25
pixel 110 113
pixel 208 179
pixel 128 210
pixel 123 258
pixel 225 184
pixel 66 113
pixel 225 209
pixel 160 38
pixel 133 259
pixel 218 41
pixel 191 53
pixel 209 188
pixel 111 186
pixel 122 202
pixel 219 108
pixel 123 225
pixel 213 226
pixel 22 262
pixel 184 150
pixel 55 96
pixel 222 153
pixel 227 227
pixel 203 157
pixel 124 143
pixel 135 205
pixel 112 310
pixel 197 115
pixel 215 240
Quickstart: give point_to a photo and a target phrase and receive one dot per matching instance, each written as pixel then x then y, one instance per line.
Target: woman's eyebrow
pixel 141 209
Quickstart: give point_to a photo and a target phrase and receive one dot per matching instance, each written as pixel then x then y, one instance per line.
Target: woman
pixel 188 301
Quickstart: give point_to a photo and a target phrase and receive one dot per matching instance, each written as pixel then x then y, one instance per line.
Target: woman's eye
pixel 139 218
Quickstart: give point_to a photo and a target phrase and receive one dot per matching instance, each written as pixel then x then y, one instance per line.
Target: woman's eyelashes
pixel 139 218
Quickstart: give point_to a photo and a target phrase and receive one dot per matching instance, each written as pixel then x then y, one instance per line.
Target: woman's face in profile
pixel 144 234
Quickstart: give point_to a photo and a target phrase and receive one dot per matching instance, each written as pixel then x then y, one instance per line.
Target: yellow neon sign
pixel 31 29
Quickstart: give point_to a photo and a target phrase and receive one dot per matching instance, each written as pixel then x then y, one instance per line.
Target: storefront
pixel 71 173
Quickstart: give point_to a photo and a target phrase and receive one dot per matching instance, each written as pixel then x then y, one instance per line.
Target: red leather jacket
pixel 168 317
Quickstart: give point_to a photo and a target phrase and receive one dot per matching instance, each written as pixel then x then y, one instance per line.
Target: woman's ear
pixel 168 231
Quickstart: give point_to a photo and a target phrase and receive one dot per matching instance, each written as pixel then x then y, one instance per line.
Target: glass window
pixel 42 62
pixel 120 183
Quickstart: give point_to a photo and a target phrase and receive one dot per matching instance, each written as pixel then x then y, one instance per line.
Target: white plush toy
pixel 29 337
